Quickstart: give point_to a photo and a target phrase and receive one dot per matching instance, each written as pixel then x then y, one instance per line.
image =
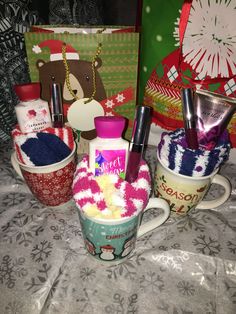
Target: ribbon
pixel 109 104
pixel 117 100
pixel 184 19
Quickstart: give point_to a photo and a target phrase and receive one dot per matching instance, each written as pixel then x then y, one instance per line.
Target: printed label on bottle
pixel 31 120
pixel 110 162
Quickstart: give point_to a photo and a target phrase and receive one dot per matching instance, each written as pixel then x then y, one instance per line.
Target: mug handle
pixel 224 182
pixel 15 165
pixel 155 202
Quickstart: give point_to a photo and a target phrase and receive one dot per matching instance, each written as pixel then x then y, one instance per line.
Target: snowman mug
pixel 112 240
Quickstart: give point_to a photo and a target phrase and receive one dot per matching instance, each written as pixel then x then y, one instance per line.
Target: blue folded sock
pixel 46 149
pixel 55 144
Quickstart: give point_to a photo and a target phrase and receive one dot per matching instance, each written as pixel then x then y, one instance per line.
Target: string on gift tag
pixel 98 52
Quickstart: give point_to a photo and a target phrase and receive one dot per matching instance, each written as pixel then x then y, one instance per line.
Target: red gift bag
pixel 205 59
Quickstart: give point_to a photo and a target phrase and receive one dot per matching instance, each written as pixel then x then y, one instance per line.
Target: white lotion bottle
pixel 108 152
pixel 32 112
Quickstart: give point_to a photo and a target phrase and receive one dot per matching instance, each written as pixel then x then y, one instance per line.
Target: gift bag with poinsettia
pixel 192 43
pixel 96 68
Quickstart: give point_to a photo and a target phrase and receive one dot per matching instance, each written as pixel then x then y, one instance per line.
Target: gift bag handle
pixel 184 16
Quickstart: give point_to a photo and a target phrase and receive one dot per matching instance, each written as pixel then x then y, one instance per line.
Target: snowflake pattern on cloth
pixel 44 266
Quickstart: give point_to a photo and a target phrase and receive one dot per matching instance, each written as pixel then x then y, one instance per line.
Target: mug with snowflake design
pixel 51 184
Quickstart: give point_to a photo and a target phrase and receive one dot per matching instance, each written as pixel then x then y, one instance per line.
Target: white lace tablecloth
pixel 188 265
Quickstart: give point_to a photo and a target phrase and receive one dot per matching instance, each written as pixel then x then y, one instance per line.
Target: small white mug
pixel 184 193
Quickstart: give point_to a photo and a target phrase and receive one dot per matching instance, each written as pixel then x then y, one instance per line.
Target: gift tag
pixel 81 115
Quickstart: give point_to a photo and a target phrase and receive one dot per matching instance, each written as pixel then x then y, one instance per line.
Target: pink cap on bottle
pixel 26 92
pixel 109 126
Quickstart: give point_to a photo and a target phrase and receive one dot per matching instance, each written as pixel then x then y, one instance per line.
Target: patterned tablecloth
pixel 188 265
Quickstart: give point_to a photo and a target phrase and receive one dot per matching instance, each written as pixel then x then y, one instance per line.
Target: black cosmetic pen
pixel 139 135
pixel 189 118
pixel 56 106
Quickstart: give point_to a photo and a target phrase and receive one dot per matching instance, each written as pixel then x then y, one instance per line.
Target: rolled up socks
pixel 46 149
pixel 19 138
pixel 175 155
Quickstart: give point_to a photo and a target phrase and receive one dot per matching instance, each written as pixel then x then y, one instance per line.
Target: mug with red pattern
pixel 51 184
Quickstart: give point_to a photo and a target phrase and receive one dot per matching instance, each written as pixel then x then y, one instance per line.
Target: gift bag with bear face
pixel 187 43
pixel 96 68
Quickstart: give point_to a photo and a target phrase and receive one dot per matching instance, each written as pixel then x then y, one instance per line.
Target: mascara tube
pixel 189 118
pixel 139 135
pixel 56 106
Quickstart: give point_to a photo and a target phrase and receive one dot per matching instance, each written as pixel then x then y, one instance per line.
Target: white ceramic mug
pixel 51 184
pixel 114 239
pixel 184 193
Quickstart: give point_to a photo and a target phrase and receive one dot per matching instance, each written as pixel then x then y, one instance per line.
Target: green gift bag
pixel 96 67
pixel 157 39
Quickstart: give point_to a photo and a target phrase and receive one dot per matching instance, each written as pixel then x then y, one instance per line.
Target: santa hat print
pixel 55 47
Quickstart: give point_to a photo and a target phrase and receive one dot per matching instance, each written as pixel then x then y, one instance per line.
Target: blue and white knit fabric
pixel 41 149
pixel 174 154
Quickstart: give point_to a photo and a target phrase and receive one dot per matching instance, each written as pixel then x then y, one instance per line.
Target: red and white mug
pixel 51 184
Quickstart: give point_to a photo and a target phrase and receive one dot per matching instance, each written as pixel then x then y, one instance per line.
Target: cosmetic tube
pixel 189 118
pixel 213 114
pixel 56 106
pixel 139 136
